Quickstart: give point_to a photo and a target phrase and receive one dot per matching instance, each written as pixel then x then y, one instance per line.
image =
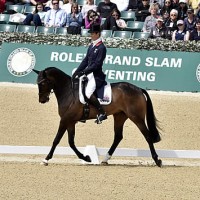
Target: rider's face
pixel 95 36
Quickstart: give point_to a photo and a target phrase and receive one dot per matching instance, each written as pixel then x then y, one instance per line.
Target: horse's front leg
pixel 119 120
pixel 71 136
pixel 59 135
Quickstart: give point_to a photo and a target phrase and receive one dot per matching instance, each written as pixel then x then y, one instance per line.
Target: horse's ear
pixel 36 71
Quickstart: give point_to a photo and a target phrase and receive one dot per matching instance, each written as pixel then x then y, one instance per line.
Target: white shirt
pixel 121 4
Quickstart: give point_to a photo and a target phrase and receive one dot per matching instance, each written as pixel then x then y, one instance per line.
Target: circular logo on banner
pixel 21 62
pixel 198 73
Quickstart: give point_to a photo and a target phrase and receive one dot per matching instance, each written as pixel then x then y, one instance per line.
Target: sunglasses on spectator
pixel 145 0
pixel 172 15
pixel 55 3
pixel 189 12
pixel 180 25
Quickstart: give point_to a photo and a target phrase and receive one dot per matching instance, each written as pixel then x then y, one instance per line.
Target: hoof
pixel 44 162
pixel 87 159
pixel 159 163
pixel 104 163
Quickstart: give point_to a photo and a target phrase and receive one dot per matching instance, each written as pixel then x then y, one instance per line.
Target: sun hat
pixel 180 22
pixel 160 19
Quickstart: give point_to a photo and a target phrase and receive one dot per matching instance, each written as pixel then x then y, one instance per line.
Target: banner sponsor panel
pixel 155 70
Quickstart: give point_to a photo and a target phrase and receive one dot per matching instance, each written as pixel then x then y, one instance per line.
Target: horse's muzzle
pixel 44 100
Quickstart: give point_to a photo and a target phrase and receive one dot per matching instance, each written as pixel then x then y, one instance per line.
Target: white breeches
pixel 91 86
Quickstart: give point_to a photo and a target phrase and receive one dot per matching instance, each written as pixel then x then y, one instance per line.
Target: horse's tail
pixel 151 119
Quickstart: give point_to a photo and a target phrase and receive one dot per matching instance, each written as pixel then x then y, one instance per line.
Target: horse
pixel 128 101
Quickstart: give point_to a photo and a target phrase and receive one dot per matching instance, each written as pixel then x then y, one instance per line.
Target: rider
pixel 92 64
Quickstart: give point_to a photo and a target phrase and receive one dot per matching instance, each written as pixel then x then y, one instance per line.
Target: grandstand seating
pixel 140 35
pixel 61 31
pixel 106 33
pixel 28 9
pixel 7 28
pixel 122 34
pixel 84 32
pixel 135 26
pixel 98 1
pixel 44 30
pixel 4 18
pixel 25 29
pixel 81 2
pixel 128 15
pixel 16 8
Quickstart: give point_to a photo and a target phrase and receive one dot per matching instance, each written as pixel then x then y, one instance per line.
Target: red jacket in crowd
pixel 2 5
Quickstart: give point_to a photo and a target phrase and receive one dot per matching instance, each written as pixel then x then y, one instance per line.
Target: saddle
pixel 83 80
pixel 106 89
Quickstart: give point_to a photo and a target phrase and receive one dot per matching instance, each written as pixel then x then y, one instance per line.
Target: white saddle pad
pixel 106 97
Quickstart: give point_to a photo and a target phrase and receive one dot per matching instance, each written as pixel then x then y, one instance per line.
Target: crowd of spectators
pixel 169 19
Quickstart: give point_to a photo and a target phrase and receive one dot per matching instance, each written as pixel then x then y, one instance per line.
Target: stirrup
pixel 100 118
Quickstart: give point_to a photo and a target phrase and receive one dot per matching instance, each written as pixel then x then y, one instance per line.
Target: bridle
pixel 48 83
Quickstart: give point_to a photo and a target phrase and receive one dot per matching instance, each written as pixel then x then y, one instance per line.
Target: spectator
pixel 88 6
pixel 143 10
pixel 150 21
pixel 182 9
pixel 166 9
pixel 160 3
pixel 193 4
pixel 171 23
pixel 92 18
pixel 181 33
pixel 175 4
pixel 121 4
pixel 37 17
pixel 68 6
pixel 159 30
pixel 105 8
pixel 198 11
pixel 74 20
pixel 55 17
pixel 190 20
pixel 195 34
pixel 133 5
pixel 2 6
pixel 49 5
pixel 113 22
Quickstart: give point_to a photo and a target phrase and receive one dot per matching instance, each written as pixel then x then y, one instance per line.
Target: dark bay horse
pixel 128 101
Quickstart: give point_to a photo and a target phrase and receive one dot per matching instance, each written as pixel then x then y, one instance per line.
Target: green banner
pixel 156 70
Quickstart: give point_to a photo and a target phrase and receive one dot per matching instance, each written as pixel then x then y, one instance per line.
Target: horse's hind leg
pixel 143 128
pixel 119 120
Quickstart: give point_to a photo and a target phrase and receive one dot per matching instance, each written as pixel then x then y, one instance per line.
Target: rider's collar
pixel 95 43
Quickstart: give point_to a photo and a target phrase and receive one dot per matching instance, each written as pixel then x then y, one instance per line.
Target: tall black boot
pixel 102 115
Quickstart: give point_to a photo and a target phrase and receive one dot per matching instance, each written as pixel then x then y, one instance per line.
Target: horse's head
pixel 45 86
